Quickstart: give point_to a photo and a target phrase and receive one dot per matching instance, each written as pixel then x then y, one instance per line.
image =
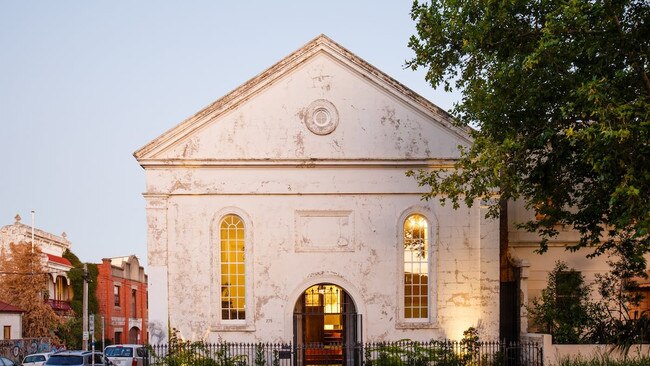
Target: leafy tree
pixel 564 309
pixel 614 322
pixel 71 331
pixel 559 96
pixel 23 283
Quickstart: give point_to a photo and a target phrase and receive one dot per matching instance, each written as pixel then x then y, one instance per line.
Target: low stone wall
pixel 17 349
pixel 554 353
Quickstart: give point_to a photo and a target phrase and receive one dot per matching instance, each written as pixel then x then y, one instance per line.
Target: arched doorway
pixel 326 327
pixel 134 335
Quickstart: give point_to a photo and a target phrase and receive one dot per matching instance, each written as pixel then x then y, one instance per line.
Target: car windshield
pixel 65 360
pixel 34 358
pixel 118 352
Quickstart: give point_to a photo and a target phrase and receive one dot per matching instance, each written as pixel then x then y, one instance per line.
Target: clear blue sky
pixel 83 84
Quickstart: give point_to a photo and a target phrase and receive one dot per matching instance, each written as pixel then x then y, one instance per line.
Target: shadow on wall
pixel 157 333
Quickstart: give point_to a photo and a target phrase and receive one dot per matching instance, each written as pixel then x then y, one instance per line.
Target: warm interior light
pixel 462 320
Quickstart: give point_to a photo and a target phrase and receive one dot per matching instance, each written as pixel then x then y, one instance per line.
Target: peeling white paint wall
pixel 318 208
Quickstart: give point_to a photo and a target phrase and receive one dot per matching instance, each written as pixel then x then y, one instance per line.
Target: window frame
pixel 217 321
pixel 411 259
pixel 431 321
pixel 117 296
pixel 235 272
pixel 134 303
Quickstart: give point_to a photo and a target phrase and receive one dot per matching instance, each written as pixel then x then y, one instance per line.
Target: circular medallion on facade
pixel 322 117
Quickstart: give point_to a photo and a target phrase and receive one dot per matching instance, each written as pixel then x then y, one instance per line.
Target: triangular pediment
pixel 321 102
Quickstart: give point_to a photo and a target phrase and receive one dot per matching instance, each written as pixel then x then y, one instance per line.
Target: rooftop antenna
pixel 33 215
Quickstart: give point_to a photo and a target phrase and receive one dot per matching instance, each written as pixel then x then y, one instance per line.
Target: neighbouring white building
pixel 11 321
pixel 532 268
pixel 282 212
pixel 52 246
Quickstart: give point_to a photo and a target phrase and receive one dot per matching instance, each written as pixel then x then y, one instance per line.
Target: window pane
pixel 416 290
pixel 416 267
pixel 232 256
pixel 232 268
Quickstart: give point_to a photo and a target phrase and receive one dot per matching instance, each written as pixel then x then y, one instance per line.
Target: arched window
pixel 233 274
pixel 416 268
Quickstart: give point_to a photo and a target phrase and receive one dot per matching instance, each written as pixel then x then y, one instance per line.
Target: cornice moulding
pixel 443 163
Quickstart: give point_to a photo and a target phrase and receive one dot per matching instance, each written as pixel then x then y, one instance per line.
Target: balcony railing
pixel 59 305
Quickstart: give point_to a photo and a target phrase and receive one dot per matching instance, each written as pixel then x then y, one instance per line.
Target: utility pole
pixel 91 320
pixel 103 345
pixel 84 343
pixel 33 216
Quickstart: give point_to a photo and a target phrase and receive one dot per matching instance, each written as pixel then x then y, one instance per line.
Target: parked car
pixel 6 362
pixel 76 358
pixel 36 359
pixel 127 355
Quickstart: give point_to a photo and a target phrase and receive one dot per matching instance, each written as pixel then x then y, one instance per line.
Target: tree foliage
pixel 23 283
pixel 567 310
pixel 76 281
pixel 564 308
pixel 614 320
pixel 558 95
pixel 71 331
pixel 181 352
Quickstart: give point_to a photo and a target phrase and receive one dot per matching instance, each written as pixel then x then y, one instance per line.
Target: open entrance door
pixel 325 327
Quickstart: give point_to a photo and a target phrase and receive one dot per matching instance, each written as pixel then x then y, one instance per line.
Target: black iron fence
pixel 400 353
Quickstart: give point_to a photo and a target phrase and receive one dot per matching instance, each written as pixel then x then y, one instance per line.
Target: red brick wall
pixel 107 308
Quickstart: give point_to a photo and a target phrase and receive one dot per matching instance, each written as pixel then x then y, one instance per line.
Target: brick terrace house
pixel 58 284
pixel 122 296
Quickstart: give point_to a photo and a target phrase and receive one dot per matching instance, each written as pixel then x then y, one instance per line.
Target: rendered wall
pixel 524 244
pixel 466 277
pixel 318 207
pixel 14 321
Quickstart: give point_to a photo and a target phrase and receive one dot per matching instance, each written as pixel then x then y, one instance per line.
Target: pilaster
pixel 489 249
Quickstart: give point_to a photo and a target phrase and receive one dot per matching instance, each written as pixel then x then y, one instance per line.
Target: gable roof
pixel 244 92
pixel 7 308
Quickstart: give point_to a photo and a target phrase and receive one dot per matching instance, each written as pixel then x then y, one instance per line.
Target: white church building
pixel 282 213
